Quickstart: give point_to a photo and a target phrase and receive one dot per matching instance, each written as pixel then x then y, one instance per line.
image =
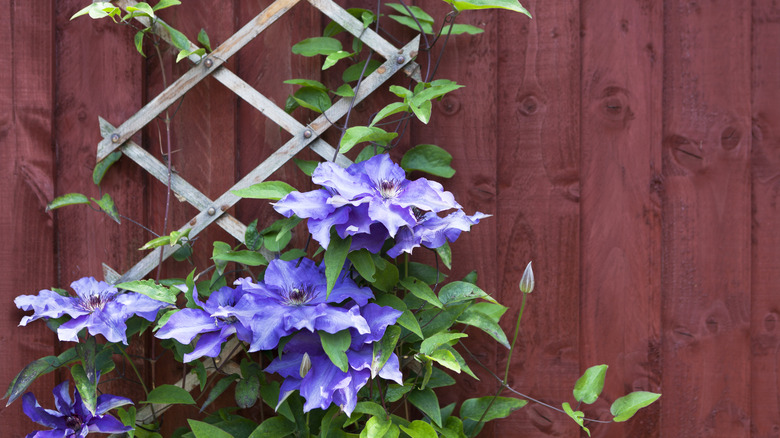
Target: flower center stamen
pixel 389 189
pixel 299 296
pixel 95 302
pixel 73 422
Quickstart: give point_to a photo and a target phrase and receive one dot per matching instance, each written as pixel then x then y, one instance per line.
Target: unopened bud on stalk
pixel 305 365
pixel 527 282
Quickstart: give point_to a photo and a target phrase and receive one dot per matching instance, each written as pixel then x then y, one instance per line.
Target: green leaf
pixel 416 11
pixel 334 259
pixel 206 430
pixel 426 273
pixel 178 39
pixel 274 427
pixel 317 46
pixel 577 416
pixel 127 417
pixel 423 27
pixel 97 10
pixel 151 290
pixel 172 239
pixel 143 8
pixel 386 274
pixel 407 319
pixel 219 248
pixel 87 352
pixel 445 254
pixel 427 402
pixel 433 342
pixel 203 38
pixel 446 359
pixel 459 291
pixel 245 257
pixel 274 190
pixel 335 57
pixel 306 166
pixel 313 99
pixel 436 89
pixel 439 378
pixel 69 199
pixel 165 4
pixel 625 407
pixel 169 395
pixel 247 392
pixel 359 134
pixel 86 387
pixel 474 408
pixel 252 238
pixel 389 110
pixel 370 408
pixel 102 167
pixel 186 53
pixel 421 291
pixel 428 158
pixel 335 346
pixel 512 5
pixel 384 348
pixel 589 386
pixel 344 91
pixel 364 263
pixel 395 392
pixel 478 319
pixel 419 429
pixel 307 83
pixel 459 29
pixel 352 73
pixel 107 205
pixel 278 235
pixel 379 427
pixel 35 369
pixel 367 152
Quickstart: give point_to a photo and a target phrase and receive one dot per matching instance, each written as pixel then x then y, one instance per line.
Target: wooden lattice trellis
pixel 211 211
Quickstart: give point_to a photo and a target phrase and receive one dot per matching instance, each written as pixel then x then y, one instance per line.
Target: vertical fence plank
pixel 538 206
pixel 97 74
pixel 765 305
pixel 621 226
pixel 707 220
pixel 27 162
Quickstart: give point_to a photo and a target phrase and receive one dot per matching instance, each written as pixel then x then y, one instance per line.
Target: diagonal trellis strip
pixel 189 79
pixel 276 160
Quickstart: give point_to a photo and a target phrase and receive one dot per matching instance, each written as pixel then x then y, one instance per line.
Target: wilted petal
pixel 185 324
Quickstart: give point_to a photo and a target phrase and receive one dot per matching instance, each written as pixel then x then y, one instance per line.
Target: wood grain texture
pixel 707 220
pixel 765 269
pixel 27 163
pixel 98 73
pixel 538 212
pixel 621 207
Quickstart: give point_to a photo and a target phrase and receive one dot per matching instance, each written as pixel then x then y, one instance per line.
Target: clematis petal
pixel 350 186
pixel 209 344
pixel 405 241
pixel 312 204
pixel 69 331
pixel 426 195
pixel 391 215
pixel 345 288
pixel 104 323
pixel 47 304
pixel 382 168
pixel 107 424
pixel 289 365
pixel 267 328
pixel 334 319
pixel 141 305
pixel 285 275
pixel 44 417
pixel 378 318
pixel 106 402
pixel 320 228
pixel 62 399
pixel 320 383
pixel 185 324
pixel 55 433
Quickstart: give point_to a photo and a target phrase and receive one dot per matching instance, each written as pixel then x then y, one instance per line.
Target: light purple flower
pixel 324 383
pixel 433 231
pixel 292 297
pixel 374 191
pixel 97 306
pixel 73 418
pixel 215 322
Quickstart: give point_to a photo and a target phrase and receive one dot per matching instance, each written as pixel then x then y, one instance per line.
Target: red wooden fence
pixel 631 149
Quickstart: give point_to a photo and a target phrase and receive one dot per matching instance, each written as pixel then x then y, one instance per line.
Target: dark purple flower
pixel 374 191
pixel 292 297
pixel 433 231
pixel 320 382
pixel 215 322
pixel 73 418
pixel 97 306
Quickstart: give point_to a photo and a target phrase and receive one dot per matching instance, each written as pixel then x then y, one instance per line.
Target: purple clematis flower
pixel 374 191
pixel 320 382
pixel 292 297
pixel 216 322
pixel 433 231
pixel 97 306
pixel 72 418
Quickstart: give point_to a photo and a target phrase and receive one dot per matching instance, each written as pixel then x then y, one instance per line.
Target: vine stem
pixel 514 340
pixel 140 378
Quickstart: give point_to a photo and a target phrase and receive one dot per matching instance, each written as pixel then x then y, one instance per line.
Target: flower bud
pixel 527 282
pixel 305 365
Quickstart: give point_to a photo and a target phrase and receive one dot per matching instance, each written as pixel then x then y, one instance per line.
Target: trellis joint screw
pixel 114 138
pixel 400 59
pixel 208 62
pixel 307 133
pixel 211 211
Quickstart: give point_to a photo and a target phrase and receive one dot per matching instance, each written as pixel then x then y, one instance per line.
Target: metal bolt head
pixel 114 138
pixel 400 59
pixel 307 133
pixel 208 62
pixel 211 211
